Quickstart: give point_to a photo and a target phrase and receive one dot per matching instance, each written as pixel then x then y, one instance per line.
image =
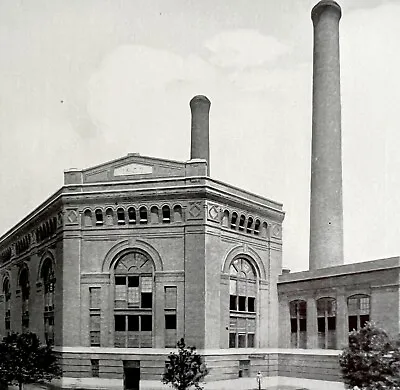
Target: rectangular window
pixel 232 340
pixel 321 324
pixel 120 288
pixel 331 323
pixel 95 330
pixel 232 302
pixel 242 341
pixel 303 324
pixel 242 303
pixel 250 340
pixel 352 323
pixel 363 320
pixel 133 281
pixel 251 304
pixel 293 325
pixel 170 321
pixel 146 323
pixel 147 284
pixel 170 297
pixel 95 367
pixel 133 323
pixel 119 323
pixel 94 294
pixel 147 300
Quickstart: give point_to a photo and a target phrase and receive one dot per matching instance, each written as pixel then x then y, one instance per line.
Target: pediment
pixel 134 167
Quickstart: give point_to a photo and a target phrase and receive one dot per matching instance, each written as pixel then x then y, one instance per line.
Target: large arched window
pixel 7 308
pixel 133 300
pixel 25 289
pixel 243 291
pixel 47 275
pixel 358 311
pixel 326 317
pixel 298 324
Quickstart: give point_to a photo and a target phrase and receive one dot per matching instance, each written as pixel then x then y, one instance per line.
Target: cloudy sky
pixel 86 81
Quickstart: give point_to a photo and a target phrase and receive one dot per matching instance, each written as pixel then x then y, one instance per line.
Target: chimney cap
pixel 322 5
pixel 200 98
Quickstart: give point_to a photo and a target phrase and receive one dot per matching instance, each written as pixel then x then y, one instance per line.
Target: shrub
pixel 371 361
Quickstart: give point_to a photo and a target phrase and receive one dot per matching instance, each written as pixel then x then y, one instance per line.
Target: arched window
pixel 264 230
pixel 166 214
pixel 249 225
pixel 241 222
pixel 225 218
pixel 234 220
pixel 87 215
pixel 131 215
pixel 326 317
pixel 47 275
pixel 25 289
pixel 242 304
pixel 99 216
pixel 298 324
pixel 133 301
pixel 154 217
pixel 358 307
pixel 110 216
pixel 257 227
pixel 121 216
pixel 143 215
pixel 177 213
pixel 7 308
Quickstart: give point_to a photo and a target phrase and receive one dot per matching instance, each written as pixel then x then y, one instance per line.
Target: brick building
pixel 130 255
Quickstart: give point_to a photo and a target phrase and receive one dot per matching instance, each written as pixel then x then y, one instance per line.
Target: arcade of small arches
pixel 241 223
pixel 358 313
pixel 23 291
pixel 132 215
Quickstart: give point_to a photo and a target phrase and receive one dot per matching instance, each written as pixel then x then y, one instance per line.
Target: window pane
pixel 133 323
pixel 303 325
pixel 250 340
pixel 242 303
pixel 170 297
pixel 147 284
pixel 170 321
pixel 95 322
pixel 321 324
pixel 119 323
pixel 133 281
pixel 352 323
pixel 331 323
pixel 293 325
pixel 232 287
pixel 147 300
pixel 363 320
pixel 94 293
pixel 232 340
pixel 146 323
pixel 232 302
pixel 133 296
pixel 120 280
pixel 95 367
pixel 251 304
pixel 242 341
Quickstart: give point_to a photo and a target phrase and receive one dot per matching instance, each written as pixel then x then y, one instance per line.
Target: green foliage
pixel 23 359
pixel 371 361
pixel 185 368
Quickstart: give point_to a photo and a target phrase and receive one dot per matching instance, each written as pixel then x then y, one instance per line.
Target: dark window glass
pixel 250 340
pixel 352 323
pixel 242 303
pixel 293 325
pixel 131 215
pixel 95 368
pixel 251 304
pixel 146 323
pixel 363 320
pixel 303 325
pixel 133 323
pixel 133 281
pixel 121 216
pixel 242 341
pixel 321 324
pixel 331 323
pixel 232 340
pixel 170 321
pixel 120 280
pixel 232 302
pixel 147 300
pixel 119 323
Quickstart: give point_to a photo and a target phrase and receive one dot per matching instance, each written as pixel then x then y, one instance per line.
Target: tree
pixel 185 368
pixel 372 360
pixel 23 359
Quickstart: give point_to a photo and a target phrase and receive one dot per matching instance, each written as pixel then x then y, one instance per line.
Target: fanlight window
pixel 242 304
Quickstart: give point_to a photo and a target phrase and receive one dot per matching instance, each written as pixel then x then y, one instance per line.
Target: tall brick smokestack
pixel 326 208
pixel 200 140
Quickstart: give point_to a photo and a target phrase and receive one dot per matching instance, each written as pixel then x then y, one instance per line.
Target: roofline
pixel 59 194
